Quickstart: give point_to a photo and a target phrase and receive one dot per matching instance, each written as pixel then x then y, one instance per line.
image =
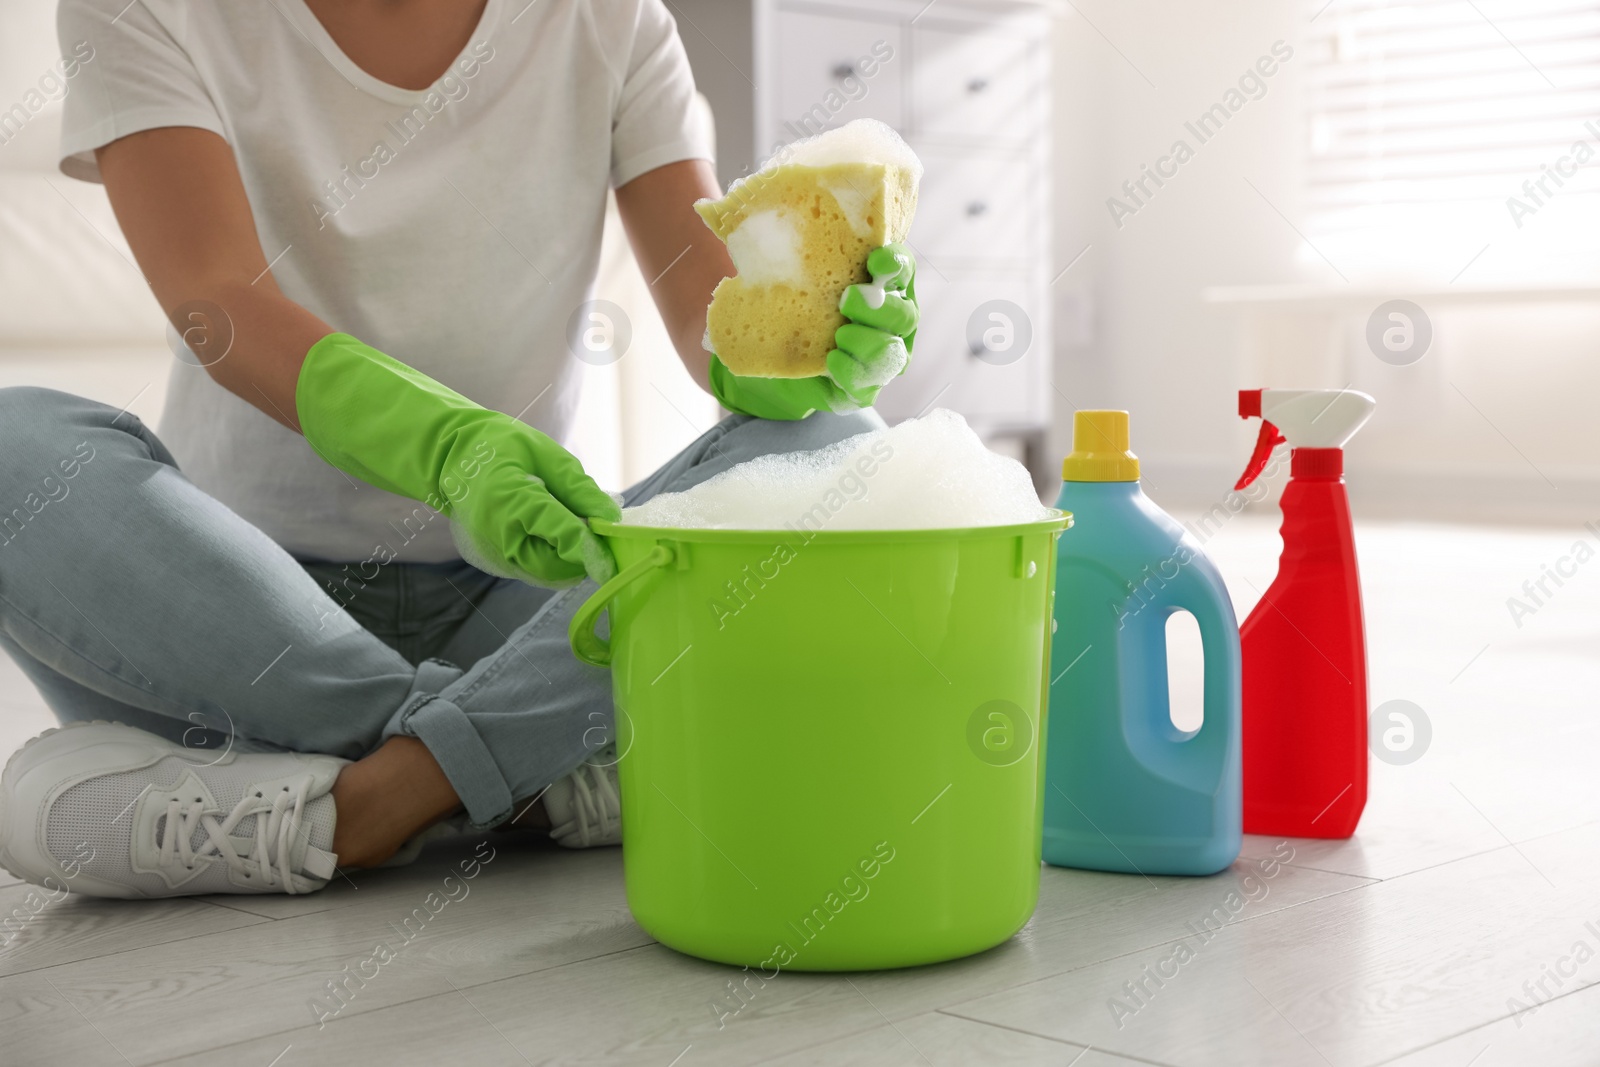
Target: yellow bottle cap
pixel 1100 449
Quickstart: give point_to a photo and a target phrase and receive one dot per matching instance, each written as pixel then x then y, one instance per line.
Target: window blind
pixel 1438 127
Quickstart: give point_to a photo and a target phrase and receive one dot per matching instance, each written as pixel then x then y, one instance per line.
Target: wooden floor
pixel 1473 886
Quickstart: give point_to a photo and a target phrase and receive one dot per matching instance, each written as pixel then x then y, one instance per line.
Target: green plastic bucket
pixel 829 743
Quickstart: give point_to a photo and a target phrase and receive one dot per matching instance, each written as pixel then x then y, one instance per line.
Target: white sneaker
pixel 110 811
pixel 585 807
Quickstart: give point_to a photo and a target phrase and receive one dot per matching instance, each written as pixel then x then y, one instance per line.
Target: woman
pixel 360 213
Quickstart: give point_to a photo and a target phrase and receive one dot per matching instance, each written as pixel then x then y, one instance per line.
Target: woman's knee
pixel 29 413
pixel 46 438
pixel 758 437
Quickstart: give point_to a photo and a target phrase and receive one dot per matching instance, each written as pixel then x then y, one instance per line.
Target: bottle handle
pixel 1202 596
pixel 1219 642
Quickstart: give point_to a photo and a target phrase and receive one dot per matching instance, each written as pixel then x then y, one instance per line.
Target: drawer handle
pixel 843 71
pixel 976 208
pixel 977 85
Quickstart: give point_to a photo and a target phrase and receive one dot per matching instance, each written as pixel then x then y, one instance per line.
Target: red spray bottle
pixel 1304 649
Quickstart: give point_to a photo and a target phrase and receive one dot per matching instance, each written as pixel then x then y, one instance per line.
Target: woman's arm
pixel 177 194
pixel 515 494
pixel 680 257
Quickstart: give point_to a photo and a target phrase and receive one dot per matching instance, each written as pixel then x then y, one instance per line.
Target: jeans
pixel 127 594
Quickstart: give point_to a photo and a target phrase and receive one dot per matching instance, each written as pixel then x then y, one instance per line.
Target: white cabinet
pixel 974 206
pixel 976 83
pixel 821 56
pixel 979 358
pixel 967 83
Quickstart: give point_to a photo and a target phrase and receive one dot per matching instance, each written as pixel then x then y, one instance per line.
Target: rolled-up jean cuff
pixel 462 755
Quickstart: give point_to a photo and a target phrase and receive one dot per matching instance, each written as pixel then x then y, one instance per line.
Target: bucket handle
pixel 590 646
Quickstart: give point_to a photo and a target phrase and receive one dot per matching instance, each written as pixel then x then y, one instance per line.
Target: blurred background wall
pixel 1375 166
pixel 74 312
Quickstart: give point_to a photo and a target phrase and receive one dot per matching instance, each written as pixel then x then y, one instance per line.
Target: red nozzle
pixel 1269 439
pixel 1250 403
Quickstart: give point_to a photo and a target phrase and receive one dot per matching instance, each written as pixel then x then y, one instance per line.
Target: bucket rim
pixel 1057 522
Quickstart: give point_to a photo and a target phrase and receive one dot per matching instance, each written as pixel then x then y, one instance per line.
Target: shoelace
pixel 277 824
pixel 593 803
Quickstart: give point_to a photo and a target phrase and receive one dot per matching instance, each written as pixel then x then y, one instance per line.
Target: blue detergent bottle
pixel 1125 789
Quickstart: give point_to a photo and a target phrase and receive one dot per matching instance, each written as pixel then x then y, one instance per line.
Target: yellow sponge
pixel 798 231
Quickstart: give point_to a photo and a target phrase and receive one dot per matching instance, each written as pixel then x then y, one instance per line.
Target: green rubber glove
pixel 873 347
pixel 519 499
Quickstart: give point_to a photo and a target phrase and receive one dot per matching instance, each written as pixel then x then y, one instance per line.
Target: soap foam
pixel 858 141
pixel 855 202
pixel 766 249
pixel 881 372
pixel 927 473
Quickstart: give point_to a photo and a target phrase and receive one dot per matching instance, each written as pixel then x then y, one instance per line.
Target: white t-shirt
pixel 456 228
